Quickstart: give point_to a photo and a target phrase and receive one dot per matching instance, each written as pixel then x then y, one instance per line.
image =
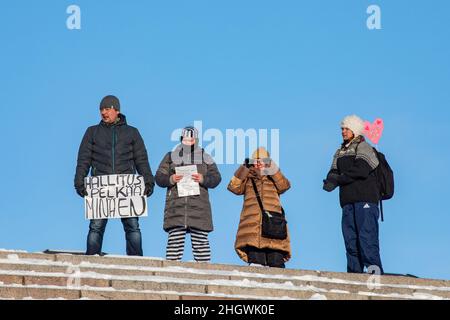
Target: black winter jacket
pixel 112 149
pixel 355 164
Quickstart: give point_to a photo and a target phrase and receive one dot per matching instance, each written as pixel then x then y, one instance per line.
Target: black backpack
pixel 385 179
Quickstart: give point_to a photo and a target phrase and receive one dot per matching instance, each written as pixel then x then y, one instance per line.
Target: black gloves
pixel 82 192
pixel 148 190
pixel 329 185
pixel 335 180
pixel 340 179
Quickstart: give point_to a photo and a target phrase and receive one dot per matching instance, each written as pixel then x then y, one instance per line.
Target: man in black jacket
pixel 353 171
pixel 113 147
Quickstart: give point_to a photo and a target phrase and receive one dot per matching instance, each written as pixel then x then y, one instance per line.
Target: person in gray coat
pixel 191 214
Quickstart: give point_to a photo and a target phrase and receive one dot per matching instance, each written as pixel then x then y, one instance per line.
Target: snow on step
pixel 152 276
pixel 181 272
pixel 86 291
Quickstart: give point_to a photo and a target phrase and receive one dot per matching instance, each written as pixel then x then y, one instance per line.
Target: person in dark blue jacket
pixel 353 171
pixel 113 147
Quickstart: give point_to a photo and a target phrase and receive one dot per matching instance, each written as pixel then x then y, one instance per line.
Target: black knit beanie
pixel 110 102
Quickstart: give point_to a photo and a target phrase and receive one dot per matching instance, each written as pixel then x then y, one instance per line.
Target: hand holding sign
pixel 374 131
pixel 197 177
pixel 176 178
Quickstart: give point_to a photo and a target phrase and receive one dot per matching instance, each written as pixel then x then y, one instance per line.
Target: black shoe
pixel 257 257
pixel 275 259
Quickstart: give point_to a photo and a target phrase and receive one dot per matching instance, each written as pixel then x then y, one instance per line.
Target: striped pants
pixel 200 244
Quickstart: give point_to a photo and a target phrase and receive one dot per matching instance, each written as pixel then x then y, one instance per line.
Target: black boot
pixel 256 256
pixel 275 259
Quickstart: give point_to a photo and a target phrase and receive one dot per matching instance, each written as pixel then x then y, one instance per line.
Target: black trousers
pixel 266 257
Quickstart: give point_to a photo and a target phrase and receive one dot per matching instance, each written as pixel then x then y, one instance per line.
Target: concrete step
pixel 152 275
pixel 212 288
pixel 155 262
pixel 53 292
pixel 185 274
pixel 159 284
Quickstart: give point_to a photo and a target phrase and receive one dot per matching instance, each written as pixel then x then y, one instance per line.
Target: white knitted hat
pixel 354 123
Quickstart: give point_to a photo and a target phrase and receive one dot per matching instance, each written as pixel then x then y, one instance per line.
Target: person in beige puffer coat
pixel 271 183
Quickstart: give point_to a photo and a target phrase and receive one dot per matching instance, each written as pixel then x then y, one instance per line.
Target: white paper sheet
pixel 187 186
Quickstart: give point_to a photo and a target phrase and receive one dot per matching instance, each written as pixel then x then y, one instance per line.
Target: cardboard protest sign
pixel 115 197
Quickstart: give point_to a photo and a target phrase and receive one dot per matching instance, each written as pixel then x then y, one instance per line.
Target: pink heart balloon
pixel 374 131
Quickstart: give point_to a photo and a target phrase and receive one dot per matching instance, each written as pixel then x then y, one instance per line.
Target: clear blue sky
pixel 298 66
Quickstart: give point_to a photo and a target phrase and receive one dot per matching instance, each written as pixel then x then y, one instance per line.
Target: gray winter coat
pixel 192 211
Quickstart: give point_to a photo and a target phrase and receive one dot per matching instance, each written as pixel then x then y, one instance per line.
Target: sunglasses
pixel 263 160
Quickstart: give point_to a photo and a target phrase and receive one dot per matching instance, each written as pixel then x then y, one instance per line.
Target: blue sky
pixel 297 66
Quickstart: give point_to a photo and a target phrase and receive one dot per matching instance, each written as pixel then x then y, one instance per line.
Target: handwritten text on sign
pixel 115 197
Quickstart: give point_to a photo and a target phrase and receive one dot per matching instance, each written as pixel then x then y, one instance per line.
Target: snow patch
pixel 13 257
pixel 414 296
pixel 17 251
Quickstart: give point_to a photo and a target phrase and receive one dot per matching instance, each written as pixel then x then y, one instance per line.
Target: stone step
pixel 18 292
pixel 158 284
pixel 304 282
pixel 152 263
pixel 183 273
pixel 155 284
pixel 155 262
